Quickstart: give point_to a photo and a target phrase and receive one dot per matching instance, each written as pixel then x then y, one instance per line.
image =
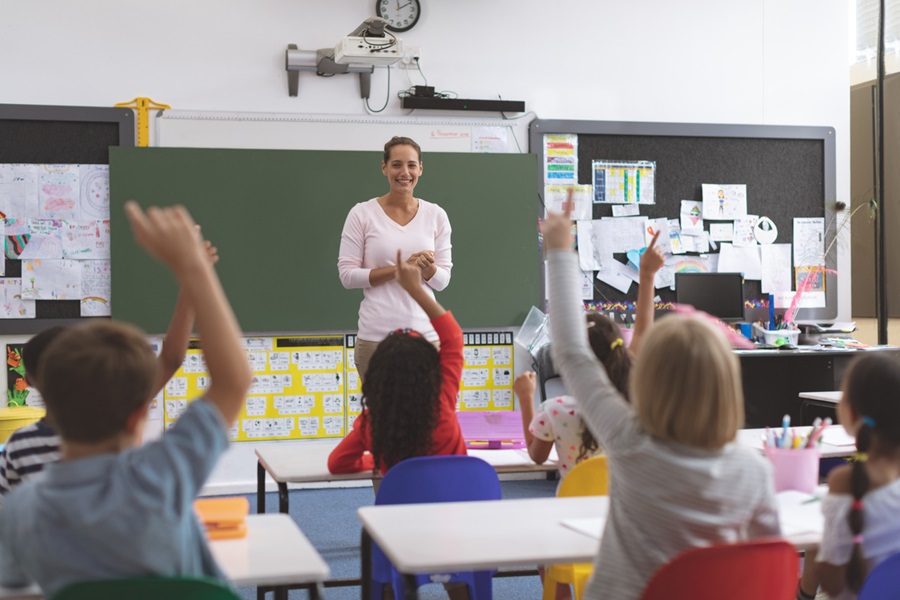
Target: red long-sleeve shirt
pixel 352 454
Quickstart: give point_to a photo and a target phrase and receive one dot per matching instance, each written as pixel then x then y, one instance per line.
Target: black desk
pixel 773 379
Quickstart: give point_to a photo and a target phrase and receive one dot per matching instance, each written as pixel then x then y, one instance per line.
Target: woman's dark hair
pixel 605 338
pixel 870 390
pixel 401 391
pixel 400 141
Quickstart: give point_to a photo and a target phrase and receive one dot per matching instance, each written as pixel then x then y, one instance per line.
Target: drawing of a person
pixel 721 195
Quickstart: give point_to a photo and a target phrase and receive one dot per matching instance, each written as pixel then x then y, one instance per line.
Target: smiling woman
pixel 373 233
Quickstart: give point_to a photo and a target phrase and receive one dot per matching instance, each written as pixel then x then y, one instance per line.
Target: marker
pixel 815 425
pixel 785 424
pixel 770 438
pixel 771 312
pixel 814 437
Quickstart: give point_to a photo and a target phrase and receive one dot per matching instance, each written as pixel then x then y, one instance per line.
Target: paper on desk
pixel 837 436
pixel 589 526
pixel 797 514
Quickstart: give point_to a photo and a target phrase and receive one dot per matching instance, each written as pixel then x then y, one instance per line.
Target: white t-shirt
pixel 881 532
pixel 370 240
pixel 558 420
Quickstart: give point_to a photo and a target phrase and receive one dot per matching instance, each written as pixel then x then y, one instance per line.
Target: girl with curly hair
pixel 409 392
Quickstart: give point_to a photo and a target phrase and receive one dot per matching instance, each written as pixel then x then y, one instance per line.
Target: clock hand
pixel 405 5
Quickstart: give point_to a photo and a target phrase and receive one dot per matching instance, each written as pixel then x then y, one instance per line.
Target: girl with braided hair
pixel 409 393
pixel 862 509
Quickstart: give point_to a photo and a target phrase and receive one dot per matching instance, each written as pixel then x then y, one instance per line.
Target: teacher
pixel 374 231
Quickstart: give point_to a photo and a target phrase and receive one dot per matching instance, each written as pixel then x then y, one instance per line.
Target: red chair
pixel 745 571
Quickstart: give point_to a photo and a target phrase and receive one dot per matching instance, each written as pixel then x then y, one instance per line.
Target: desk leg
pixel 409 587
pixel 282 497
pixel 260 488
pixel 316 592
pixel 365 565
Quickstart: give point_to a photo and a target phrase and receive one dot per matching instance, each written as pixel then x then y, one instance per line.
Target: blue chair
pixel 435 479
pixel 883 583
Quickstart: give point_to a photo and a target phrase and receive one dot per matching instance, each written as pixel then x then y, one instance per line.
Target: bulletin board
pixel 33 134
pixel 789 172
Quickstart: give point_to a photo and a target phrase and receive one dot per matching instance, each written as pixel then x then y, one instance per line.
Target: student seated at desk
pixel 677 480
pixel 34 446
pixel 409 393
pixel 862 508
pixel 111 509
pixel 558 420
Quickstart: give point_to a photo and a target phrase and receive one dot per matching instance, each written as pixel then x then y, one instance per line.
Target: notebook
pixel 223 518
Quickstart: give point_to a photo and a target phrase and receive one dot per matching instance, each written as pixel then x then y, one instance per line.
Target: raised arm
pixel 409 276
pixel 651 261
pixel 605 412
pixel 523 386
pixel 168 234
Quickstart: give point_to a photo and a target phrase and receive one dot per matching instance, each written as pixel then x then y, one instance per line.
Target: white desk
pixel 307 462
pixel 459 536
pixel 274 554
pixel 826 397
pixel 841 445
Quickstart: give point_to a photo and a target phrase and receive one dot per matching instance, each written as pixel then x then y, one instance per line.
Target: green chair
pixel 148 588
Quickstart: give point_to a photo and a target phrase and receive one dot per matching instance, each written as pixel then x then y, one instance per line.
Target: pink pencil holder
pixel 626 335
pixel 796 469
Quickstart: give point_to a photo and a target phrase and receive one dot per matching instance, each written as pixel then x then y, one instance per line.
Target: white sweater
pixel 370 240
pixel 664 497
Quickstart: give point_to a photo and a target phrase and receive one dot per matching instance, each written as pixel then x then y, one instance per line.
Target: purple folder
pixel 492 429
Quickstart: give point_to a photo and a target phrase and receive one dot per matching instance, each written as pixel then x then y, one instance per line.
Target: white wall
pixel 771 62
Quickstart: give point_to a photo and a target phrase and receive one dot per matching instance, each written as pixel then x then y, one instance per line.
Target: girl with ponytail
pixel 862 509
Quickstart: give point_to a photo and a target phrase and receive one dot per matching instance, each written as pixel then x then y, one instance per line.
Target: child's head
pixel 870 409
pixel 686 384
pixel 95 377
pixel 32 352
pixel 401 391
pixel 606 341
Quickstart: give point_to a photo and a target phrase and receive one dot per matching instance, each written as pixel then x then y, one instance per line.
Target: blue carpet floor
pixel 328 518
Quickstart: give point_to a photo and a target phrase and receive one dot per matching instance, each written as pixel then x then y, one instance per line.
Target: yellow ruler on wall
pixel 143 106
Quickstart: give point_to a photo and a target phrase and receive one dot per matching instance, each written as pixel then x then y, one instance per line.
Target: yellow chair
pixel 589 478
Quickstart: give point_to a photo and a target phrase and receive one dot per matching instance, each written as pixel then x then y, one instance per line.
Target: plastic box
pixel 778 337
pixel 794 468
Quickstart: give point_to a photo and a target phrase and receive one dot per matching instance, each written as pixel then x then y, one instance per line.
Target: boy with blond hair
pixel 111 509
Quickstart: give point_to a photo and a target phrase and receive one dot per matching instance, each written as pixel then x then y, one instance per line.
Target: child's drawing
pixel 724 201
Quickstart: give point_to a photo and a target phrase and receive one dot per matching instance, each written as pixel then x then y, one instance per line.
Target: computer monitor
pixel 719 294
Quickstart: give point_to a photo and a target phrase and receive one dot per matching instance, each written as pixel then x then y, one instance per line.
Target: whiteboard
pixel 287 131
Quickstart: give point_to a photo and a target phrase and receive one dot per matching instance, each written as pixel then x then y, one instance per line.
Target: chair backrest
pixel 589 478
pixel 883 583
pixel 148 588
pixel 743 571
pixel 452 478
pixel 543 367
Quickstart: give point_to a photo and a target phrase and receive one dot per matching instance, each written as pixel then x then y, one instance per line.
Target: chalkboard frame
pixel 45 134
pixel 668 133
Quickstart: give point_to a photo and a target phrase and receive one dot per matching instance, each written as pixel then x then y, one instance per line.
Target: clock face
pixel 401 15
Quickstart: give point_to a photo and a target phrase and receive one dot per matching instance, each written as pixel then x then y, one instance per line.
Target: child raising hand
pixel 409 393
pixel 677 479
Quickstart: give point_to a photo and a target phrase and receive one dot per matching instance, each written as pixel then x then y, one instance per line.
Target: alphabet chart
pixel 488 371
pixel 297 390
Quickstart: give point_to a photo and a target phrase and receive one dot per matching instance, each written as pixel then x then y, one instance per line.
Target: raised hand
pixel 168 234
pixel 408 274
pixel 524 386
pixel 557 228
pixel 212 253
pixel 652 260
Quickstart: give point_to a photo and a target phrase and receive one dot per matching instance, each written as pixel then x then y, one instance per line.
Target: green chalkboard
pixel 276 217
